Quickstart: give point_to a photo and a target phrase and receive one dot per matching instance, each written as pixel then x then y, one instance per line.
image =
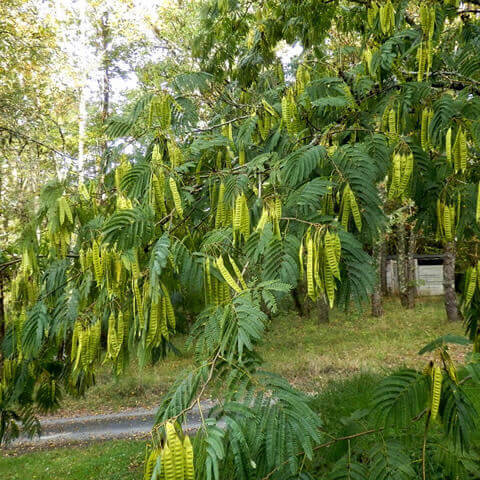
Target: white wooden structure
pixel 429 275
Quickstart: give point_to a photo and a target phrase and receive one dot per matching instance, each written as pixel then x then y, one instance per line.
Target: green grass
pixel 122 459
pixel 137 387
pixel 309 354
pixel 114 460
pixel 118 460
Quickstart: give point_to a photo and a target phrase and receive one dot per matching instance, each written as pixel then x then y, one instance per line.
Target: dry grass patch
pixel 307 353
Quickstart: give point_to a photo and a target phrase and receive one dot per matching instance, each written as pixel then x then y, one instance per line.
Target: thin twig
pixel 325 445
pixel 424 447
pixel 294 219
pixel 3 266
pixel 36 142
pixel 197 397
pixel 213 127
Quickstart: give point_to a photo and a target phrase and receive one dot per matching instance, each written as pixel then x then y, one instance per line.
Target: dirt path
pixel 133 423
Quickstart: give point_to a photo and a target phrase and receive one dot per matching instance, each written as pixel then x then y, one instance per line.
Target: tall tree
pixel 34 112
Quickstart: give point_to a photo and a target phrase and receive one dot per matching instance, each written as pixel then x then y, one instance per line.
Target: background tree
pixel 34 113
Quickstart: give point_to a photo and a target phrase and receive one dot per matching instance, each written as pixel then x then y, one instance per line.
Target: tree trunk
pixel 377 306
pixel 449 282
pixel 402 263
pixel 323 310
pixel 2 309
pixel 411 270
pixel 3 234
pixel 4 224
pixel 303 304
pixel 383 267
pixel 82 103
pixel 105 33
pixel 105 43
pixel 298 302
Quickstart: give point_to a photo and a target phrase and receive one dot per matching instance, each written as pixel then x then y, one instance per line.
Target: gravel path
pixel 132 423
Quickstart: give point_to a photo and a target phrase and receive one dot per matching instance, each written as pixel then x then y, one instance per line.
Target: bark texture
pixel 377 305
pixel 298 301
pixel 402 263
pixel 323 310
pixel 411 270
pixel 450 296
pixel 2 309
pixel 82 103
pixel 383 267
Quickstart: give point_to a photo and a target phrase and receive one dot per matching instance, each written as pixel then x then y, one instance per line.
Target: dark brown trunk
pixel 411 270
pixel 449 282
pixel 383 267
pixel 377 306
pixel 303 304
pixel 298 302
pixel 402 263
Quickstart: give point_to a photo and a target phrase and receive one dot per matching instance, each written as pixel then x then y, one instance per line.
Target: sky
pixel 130 17
pixel 83 58
pixel 81 55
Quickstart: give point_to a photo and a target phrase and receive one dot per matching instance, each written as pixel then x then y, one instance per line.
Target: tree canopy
pixel 233 177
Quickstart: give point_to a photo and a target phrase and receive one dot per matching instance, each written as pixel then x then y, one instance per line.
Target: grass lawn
pixel 114 460
pixel 309 354
pixel 341 362
pixel 122 459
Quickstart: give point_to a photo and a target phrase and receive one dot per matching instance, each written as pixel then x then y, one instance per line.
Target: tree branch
pixel 325 445
pixel 213 127
pixel 36 142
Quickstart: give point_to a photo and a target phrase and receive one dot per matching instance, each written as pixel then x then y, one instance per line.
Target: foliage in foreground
pixel 345 405
pixel 223 209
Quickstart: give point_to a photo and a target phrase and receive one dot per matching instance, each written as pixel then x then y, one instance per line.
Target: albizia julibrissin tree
pixel 247 178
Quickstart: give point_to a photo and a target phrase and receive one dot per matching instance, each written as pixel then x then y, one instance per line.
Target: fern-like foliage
pixel 390 460
pixel 459 415
pixel 122 126
pixel 262 423
pixel 401 397
pixel 299 165
pixel 249 177
pixel 34 330
pixel 158 260
pixel 126 229
pixel 348 469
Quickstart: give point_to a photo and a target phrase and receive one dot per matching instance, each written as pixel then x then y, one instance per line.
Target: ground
pixel 342 360
pixel 114 460
pixel 309 354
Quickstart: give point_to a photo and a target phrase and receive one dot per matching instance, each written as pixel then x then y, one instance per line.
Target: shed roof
pixel 437 256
